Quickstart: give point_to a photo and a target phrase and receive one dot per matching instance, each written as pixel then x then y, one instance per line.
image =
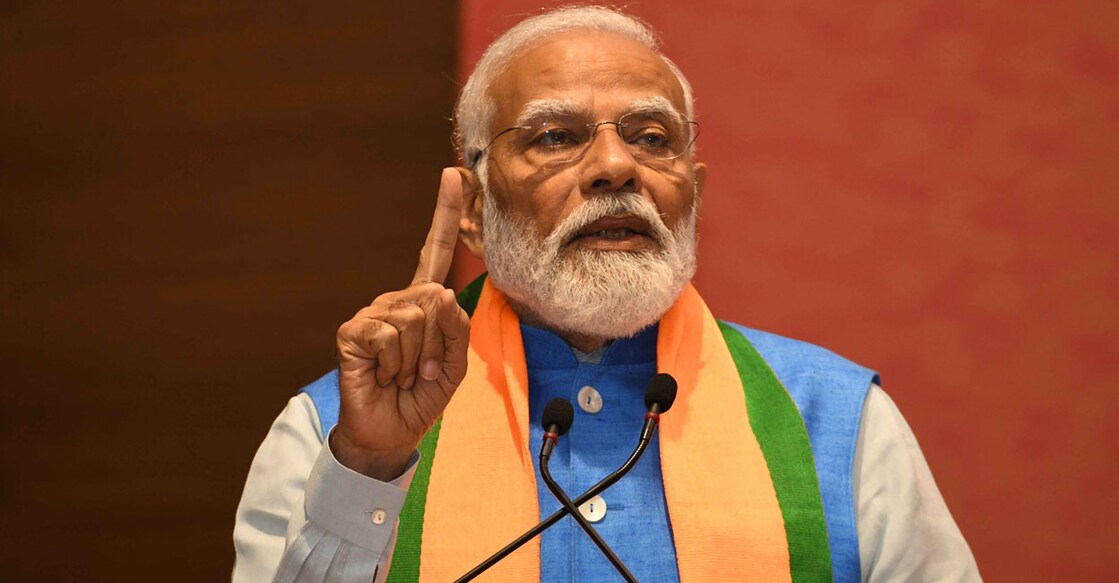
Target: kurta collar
pixel 546 350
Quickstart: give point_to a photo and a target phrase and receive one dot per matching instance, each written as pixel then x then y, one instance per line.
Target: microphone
pixel 659 395
pixel 557 419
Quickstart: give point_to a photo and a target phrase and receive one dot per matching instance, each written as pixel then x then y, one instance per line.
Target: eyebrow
pixel 655 105
pixel 542 108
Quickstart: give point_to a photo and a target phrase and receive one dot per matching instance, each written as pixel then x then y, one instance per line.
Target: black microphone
pixel 557 419
pixel 659 394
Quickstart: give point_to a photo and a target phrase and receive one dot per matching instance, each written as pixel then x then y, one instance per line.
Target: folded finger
pixel 381 341
pixel 409 319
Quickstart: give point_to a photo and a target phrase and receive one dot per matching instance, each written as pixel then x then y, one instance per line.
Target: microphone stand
pixel 651 420
pixel 545 457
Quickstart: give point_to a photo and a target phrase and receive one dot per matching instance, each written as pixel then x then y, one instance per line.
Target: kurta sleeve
pixel 304 517
pixel 906 532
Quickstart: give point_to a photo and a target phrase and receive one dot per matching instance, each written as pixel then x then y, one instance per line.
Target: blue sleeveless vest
pixel 828 390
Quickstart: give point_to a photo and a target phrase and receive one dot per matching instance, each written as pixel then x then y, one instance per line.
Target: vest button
pixel 589 399
pixel 594 509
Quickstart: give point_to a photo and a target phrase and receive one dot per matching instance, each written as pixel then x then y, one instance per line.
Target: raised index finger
pixel 439 248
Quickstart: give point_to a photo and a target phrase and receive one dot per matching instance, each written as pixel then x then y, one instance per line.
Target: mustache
pixel 610 205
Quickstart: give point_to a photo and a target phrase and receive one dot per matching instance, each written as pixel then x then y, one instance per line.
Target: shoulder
pixel 796 362
pixel 791 357
pixel 821 382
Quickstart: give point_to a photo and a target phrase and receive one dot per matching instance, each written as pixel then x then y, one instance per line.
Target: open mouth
pixel 614 229
pixel 613 233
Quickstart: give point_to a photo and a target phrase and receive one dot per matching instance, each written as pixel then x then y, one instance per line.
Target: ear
pixel 700 172
pixel 470 225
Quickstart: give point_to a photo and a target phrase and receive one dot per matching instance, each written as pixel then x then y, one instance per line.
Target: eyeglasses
pixel 653 139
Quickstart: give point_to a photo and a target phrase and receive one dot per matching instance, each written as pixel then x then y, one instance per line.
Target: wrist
pixel 383 465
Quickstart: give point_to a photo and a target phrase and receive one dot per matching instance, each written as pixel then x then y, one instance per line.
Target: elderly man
pixel 779 461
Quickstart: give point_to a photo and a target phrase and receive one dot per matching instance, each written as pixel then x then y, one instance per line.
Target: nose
pixel 608 165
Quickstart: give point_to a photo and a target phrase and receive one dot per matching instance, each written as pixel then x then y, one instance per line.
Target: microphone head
pixel 558 413
pixel 662 391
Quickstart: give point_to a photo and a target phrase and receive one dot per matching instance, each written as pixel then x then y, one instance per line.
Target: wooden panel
pixel 195 196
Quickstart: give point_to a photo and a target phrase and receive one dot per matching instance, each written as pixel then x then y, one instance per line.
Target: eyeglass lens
pixel 649 137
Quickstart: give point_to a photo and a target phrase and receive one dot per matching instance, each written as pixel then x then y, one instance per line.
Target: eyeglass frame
pixel 618 125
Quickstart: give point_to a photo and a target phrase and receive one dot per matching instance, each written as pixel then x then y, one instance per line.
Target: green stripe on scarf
pixel 783 437
pixel 409 533
pixel 468 297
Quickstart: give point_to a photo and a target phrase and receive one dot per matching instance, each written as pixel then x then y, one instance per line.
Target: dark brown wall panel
pixel 194 196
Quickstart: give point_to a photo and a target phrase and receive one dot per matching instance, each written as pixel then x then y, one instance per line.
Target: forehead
pixel 602 72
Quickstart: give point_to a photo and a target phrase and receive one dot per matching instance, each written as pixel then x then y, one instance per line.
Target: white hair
pixel 475 110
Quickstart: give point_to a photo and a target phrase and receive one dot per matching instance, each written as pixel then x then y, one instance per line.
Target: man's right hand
pixel 401 358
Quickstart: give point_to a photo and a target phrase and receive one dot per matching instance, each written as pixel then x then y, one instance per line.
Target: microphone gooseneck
pixel 659 395
pixel 557 418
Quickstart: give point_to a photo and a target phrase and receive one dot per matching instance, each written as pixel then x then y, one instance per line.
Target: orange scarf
pixel 725 529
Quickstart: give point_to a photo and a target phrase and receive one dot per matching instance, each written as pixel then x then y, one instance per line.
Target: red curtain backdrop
pixel 928 188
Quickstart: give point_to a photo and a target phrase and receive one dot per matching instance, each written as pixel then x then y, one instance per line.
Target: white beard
pixel 602 294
